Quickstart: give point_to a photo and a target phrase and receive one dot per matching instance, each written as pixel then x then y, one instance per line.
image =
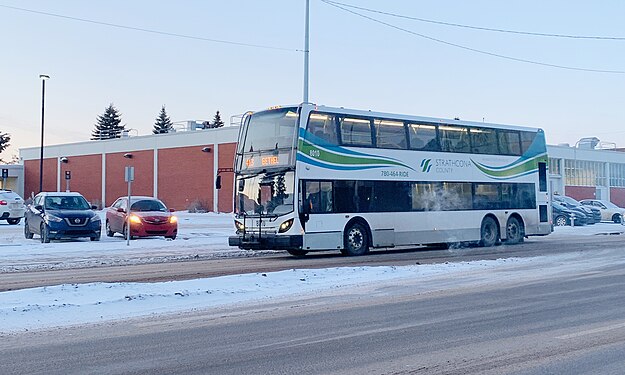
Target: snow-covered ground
pixel 205 236
pixel 199 236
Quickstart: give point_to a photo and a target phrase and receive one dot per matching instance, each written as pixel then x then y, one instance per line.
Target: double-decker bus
pixel 311 177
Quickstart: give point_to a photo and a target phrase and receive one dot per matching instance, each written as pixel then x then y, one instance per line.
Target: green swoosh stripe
pixel 334 158
pixel 522 168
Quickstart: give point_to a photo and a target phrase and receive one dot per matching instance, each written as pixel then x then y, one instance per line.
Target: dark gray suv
pixel 61 215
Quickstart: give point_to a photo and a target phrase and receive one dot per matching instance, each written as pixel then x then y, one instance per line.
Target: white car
pixel 609 211
pixel 11 207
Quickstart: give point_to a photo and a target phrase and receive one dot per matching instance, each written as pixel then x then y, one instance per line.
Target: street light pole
pixel 43 97
pixel 306 50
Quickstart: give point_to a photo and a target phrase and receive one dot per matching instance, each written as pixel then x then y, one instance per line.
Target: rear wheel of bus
pixel 514 231
pixel 356 239
pixel 489 235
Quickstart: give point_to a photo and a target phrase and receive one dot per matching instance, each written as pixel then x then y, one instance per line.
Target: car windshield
pixel 609 204
pixel 148 205
pixel 571 201
pixel 66 203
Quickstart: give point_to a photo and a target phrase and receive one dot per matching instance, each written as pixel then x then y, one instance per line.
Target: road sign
pixel 129 174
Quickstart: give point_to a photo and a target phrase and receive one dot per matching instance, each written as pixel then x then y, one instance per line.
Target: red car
pixel 148 217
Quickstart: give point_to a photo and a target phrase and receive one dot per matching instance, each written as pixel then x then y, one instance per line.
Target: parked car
pixel 148 217
pixel 609 211
pixel 11 207
pixel 563 216
pixel 593 213
pixel 61 215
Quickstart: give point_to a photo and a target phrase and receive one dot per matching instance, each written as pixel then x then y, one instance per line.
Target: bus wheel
pixel 514 231
pixel 356 241
pixel 297 253
pixel 489 233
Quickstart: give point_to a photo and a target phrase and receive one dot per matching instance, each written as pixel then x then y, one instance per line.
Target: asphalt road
pixel 190 269
pixel 569 321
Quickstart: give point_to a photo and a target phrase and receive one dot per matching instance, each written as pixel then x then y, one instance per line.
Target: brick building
pixel 179 168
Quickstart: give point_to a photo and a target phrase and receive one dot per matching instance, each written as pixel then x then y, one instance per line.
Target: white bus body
pixel 349 180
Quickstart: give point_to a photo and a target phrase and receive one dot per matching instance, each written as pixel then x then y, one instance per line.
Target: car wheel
pixel 124 230
pixel 616 218
pixel 14 221
pixel 109 232
pixel 27 233
pixel 514 231
pixel 95 238
pixel 45 233
pixel 489 232
pixel 297 253
pixel 560 221
pixel 356 240
pixel 171 237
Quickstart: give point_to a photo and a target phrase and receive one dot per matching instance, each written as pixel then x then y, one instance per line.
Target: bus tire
pixel 514 231
pixel 489 234
pixel 297 253
pixel 356 240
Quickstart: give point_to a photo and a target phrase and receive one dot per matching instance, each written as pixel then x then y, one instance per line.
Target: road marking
pixel 591 331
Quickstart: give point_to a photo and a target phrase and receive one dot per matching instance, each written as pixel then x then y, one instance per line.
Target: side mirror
pixel 94 207
pixel 120 209
pixel 39 207
pixel 218 182
pixel 172 210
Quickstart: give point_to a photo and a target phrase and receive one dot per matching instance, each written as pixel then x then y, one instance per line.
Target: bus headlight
pixel 285 226
pixel 240 227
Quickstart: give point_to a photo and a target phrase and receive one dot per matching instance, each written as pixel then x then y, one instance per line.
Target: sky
pixel 240 55
pixel 204 236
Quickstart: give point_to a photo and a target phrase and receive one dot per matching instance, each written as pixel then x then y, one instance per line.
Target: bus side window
pixel 323 128
pixel 318 197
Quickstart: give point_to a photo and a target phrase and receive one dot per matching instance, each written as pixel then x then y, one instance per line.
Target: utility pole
pixel 306 50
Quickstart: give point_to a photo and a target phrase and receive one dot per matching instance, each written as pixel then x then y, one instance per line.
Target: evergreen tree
pixel 4 141
pixel 108 125
pixel 217 123
pixel 163 124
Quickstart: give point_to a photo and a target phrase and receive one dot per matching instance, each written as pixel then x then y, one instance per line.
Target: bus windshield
pixel 269 130
pixel 266 194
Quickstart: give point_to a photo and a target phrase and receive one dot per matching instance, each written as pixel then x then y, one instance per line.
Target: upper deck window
pixel 355 132
pixel 390 134
pixel 484 141
pixel 423 137
pixel 270 130
pixel 454 138
pixel 323 128
pixel 509 142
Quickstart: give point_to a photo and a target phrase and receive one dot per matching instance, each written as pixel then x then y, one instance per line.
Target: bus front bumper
pixel 267 241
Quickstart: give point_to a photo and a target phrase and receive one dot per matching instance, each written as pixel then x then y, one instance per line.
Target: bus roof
pixel 433 120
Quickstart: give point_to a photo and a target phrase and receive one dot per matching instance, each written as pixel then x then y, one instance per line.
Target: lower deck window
pixel 348 196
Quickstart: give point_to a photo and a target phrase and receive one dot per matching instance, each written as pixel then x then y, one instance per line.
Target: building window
pixel 555 166
pixel 584 173
pixel 617 175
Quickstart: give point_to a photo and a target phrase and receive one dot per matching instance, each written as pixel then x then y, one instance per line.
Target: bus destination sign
pixel 263 161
